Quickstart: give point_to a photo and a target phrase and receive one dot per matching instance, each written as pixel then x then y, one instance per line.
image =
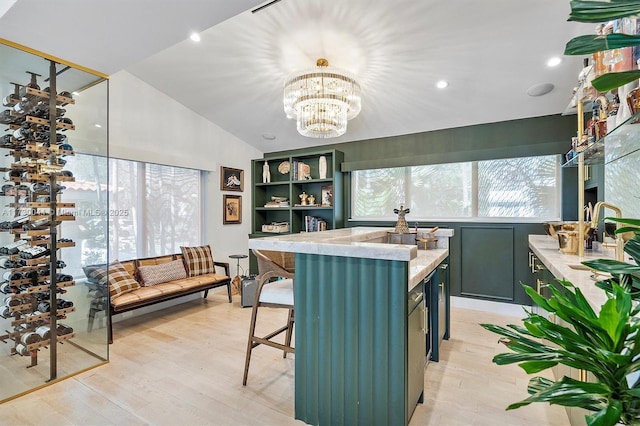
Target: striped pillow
pixel 162 273
pixel 198 260
pixel 120 280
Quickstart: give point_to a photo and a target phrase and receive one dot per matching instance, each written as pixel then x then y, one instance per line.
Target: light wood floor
pixel 183 366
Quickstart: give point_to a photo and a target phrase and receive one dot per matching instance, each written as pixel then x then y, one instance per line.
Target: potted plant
pixel 604 343
pixel 602 11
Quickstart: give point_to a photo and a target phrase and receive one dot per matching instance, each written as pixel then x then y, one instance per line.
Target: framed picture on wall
pixel 231 179
pixel 232 206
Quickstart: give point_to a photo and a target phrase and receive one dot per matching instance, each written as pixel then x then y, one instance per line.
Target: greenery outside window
pixel 153 209
pixel 523 189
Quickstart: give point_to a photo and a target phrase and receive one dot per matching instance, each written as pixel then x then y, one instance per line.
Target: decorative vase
pixel 266 174
pixel 322 167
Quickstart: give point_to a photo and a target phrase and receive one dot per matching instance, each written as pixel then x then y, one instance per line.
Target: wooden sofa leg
pixel 109 327
pixel 206 293
pixel 229 290
pixel 92 317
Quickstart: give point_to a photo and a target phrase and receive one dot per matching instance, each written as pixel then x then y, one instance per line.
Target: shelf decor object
pixel 231 179
pixel 322 99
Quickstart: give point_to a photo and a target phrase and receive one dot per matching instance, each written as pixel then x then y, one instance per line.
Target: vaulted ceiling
pixel 491 52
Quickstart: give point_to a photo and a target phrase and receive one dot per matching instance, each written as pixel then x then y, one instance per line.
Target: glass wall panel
pixel 53 222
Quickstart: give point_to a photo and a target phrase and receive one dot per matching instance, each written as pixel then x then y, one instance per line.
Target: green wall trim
pixel 351 343
pixel 549 134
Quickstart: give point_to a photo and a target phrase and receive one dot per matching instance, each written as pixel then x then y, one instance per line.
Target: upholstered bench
pixel 133 284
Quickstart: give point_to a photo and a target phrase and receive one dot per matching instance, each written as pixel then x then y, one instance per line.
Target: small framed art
pixel 232 205
pixel 231 179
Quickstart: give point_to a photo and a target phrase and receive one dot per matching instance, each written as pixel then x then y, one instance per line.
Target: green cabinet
pixel 416 340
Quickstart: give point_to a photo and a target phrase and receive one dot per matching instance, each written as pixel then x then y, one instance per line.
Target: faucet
pixel 619 247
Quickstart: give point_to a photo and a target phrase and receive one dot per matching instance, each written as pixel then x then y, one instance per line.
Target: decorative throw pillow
pixel 162 273
pixel 96 274
pixel 198 260
pixel 120 280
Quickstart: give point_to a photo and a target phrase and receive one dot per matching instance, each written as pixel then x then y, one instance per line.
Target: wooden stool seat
pixel 272 294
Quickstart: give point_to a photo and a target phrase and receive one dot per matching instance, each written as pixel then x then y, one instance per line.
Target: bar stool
pixel 275 294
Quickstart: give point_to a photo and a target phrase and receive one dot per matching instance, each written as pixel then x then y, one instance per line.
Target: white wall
pixel 147 125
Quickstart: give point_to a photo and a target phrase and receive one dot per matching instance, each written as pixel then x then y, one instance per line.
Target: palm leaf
pixel 600 11
pixel 588 44
pixel 613 80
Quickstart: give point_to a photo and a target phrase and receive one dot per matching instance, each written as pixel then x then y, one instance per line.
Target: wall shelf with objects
pixel 296 193
pixel 303 191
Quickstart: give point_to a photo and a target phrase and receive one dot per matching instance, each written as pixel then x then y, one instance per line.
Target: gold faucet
pixel 619 247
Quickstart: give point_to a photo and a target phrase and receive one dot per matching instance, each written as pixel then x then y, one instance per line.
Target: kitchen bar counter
pixel 360 342
pixel 362 242
pixel 547 250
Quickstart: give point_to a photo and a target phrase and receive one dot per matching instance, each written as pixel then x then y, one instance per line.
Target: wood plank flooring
pixel 183 366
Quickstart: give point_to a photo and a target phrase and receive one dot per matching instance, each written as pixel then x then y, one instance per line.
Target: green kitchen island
pixel 368 316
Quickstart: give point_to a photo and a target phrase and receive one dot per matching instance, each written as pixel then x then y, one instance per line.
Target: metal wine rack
pixel 37 162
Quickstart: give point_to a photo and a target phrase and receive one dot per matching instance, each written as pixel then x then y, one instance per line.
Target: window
pixel 507 189
pixel 152 210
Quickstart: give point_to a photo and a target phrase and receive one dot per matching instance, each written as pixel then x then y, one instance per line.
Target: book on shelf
pixel 301 170
pixel 314 224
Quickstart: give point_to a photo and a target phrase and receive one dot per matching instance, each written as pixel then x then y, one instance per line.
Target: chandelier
pixel 322 99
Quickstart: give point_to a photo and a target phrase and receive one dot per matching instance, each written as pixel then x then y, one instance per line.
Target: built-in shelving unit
pixel 290 177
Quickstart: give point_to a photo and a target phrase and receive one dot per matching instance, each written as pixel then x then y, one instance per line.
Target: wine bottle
pixel 63 277
pixel 22 350
pixel 6 117
pixel 11 276
pixel 44 331
pixel 22 133
pixel 30 338
pixel 6 141
pixel 12 98
pixel 12 301
pixel 63 330
pixel 24 106
pixel 64 304
pixel 32 84
pixel 4 311
pixel 44 306
pixel 7 288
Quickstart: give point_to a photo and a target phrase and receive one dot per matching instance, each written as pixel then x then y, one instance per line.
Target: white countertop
pixel 362 242
pixel 547 250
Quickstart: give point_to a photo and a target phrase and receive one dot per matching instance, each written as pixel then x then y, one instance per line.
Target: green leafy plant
pixel 604 343
pixel 601 11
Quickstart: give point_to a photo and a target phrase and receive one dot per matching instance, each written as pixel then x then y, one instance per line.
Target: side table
pixel 238 257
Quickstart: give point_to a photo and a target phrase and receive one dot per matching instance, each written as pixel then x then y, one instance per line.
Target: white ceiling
pixel 490 51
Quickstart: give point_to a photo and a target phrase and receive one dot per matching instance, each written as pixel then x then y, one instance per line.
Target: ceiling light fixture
pixel 195 37
pixel 442 84
pixel 322 99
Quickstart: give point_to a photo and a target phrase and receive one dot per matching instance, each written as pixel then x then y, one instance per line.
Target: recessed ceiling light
pixel 98 126
pixel 75 93
pixel 268 136
pixel 554 62
pixel 442 84
pixel 195 37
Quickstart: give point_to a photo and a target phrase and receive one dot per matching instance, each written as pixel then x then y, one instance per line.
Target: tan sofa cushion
pixel 158 291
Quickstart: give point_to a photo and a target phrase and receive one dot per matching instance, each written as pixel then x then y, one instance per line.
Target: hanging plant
pixel 599 11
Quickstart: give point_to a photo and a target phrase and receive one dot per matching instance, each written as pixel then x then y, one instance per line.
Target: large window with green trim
pixel 516 189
